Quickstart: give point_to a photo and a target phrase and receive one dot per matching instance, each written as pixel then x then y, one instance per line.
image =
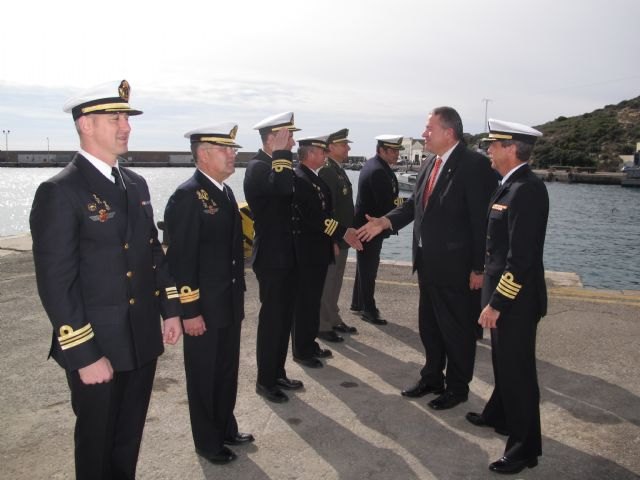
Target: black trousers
pixel 211 364
pixel 368 261
pixel 110 419
pixel 307 310
pixel 515 400
pixel 448 335
pixel 278 290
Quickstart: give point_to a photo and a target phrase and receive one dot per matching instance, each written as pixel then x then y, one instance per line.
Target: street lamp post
pixel 486 107
pixel 6 143
pixel 48 159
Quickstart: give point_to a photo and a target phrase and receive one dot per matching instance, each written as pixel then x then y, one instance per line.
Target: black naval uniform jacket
pixel 514 285
pixel 451 230
pixel 100 270
pixel 377 192
pixel 315 226
pixel 205 254
pixel 268 188
pixel 341 194
pixel 516 231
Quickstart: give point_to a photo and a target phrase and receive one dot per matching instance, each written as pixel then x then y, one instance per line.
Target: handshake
pixel 368 231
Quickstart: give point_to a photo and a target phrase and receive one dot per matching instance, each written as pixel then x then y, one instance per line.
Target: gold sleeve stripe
pixel 172 292
pixel 187 295
pixel 279 165
pixel 506 293
pixel 331 225
pixel 71 338
pixel 508 286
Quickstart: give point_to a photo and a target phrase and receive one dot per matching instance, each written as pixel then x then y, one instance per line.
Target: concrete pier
pixel 350 421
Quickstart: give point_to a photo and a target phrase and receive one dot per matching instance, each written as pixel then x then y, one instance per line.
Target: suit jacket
pixel 452 229
pixel 268 188
pixel 341 194
pixel 315 229
pixel 100 270
pixel 206 254
pixel 377 191
pixel 517 224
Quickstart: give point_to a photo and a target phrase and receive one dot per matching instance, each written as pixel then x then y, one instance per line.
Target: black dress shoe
pixel 273 394
pixel 447 400
pixel 225 455
pixel 330 336
pixel 287 383
pixel 372 317
pixel 344 328
pixel 239 439
pixel 478 420
pixel 420 389
pixel 507 465
pixel 322 353
pixel 309 362
pixel 355 309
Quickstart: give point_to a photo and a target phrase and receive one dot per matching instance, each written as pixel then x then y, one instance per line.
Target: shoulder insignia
pixel 398 201
pixel 187 295
pixel 498 207
pixel 72 338
pixel 508 286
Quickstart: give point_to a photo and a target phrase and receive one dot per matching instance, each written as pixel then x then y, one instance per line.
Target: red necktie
pixel 428 189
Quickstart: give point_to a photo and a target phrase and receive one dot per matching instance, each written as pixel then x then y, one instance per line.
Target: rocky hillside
pixel 594 139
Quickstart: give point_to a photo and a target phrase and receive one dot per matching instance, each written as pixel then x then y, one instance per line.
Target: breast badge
pixel 209 206
pixel 102 208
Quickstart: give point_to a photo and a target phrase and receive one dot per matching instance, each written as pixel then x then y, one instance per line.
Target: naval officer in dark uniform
pixel 514 295
pixel 377 195
pixel 103 281
pixel 334 175
pixel 268 188
pixel 316 234
pixel 206 260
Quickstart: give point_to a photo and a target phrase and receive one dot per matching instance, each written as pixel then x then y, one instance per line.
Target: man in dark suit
pixel 377 195
pixel 317 233
pixel 103 282
pixel 514 295
pixel 268 188
pixel 206 260
pixel 448 208
pixel 333 174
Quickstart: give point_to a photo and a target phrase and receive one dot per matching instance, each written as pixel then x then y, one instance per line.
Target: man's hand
pixel 374 227
pixel 281 140
pixel 489 317
pixel 171 330
pixel 99 371
pixel 194 326
pixel 351 237
pixel 475 280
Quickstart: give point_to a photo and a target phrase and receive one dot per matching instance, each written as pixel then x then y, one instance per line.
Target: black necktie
pixel 115 173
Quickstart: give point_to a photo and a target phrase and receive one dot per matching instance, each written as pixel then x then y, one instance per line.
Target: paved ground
pixel 350 422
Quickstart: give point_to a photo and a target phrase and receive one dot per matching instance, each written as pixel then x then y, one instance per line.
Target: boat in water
pixel 406 181
pixel 631 177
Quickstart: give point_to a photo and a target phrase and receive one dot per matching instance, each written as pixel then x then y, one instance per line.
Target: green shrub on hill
pixel 594 139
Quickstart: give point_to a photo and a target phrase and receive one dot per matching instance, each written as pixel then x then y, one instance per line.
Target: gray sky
pixel 369 65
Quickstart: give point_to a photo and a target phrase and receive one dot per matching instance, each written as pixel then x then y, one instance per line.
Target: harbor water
pixel 594 230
